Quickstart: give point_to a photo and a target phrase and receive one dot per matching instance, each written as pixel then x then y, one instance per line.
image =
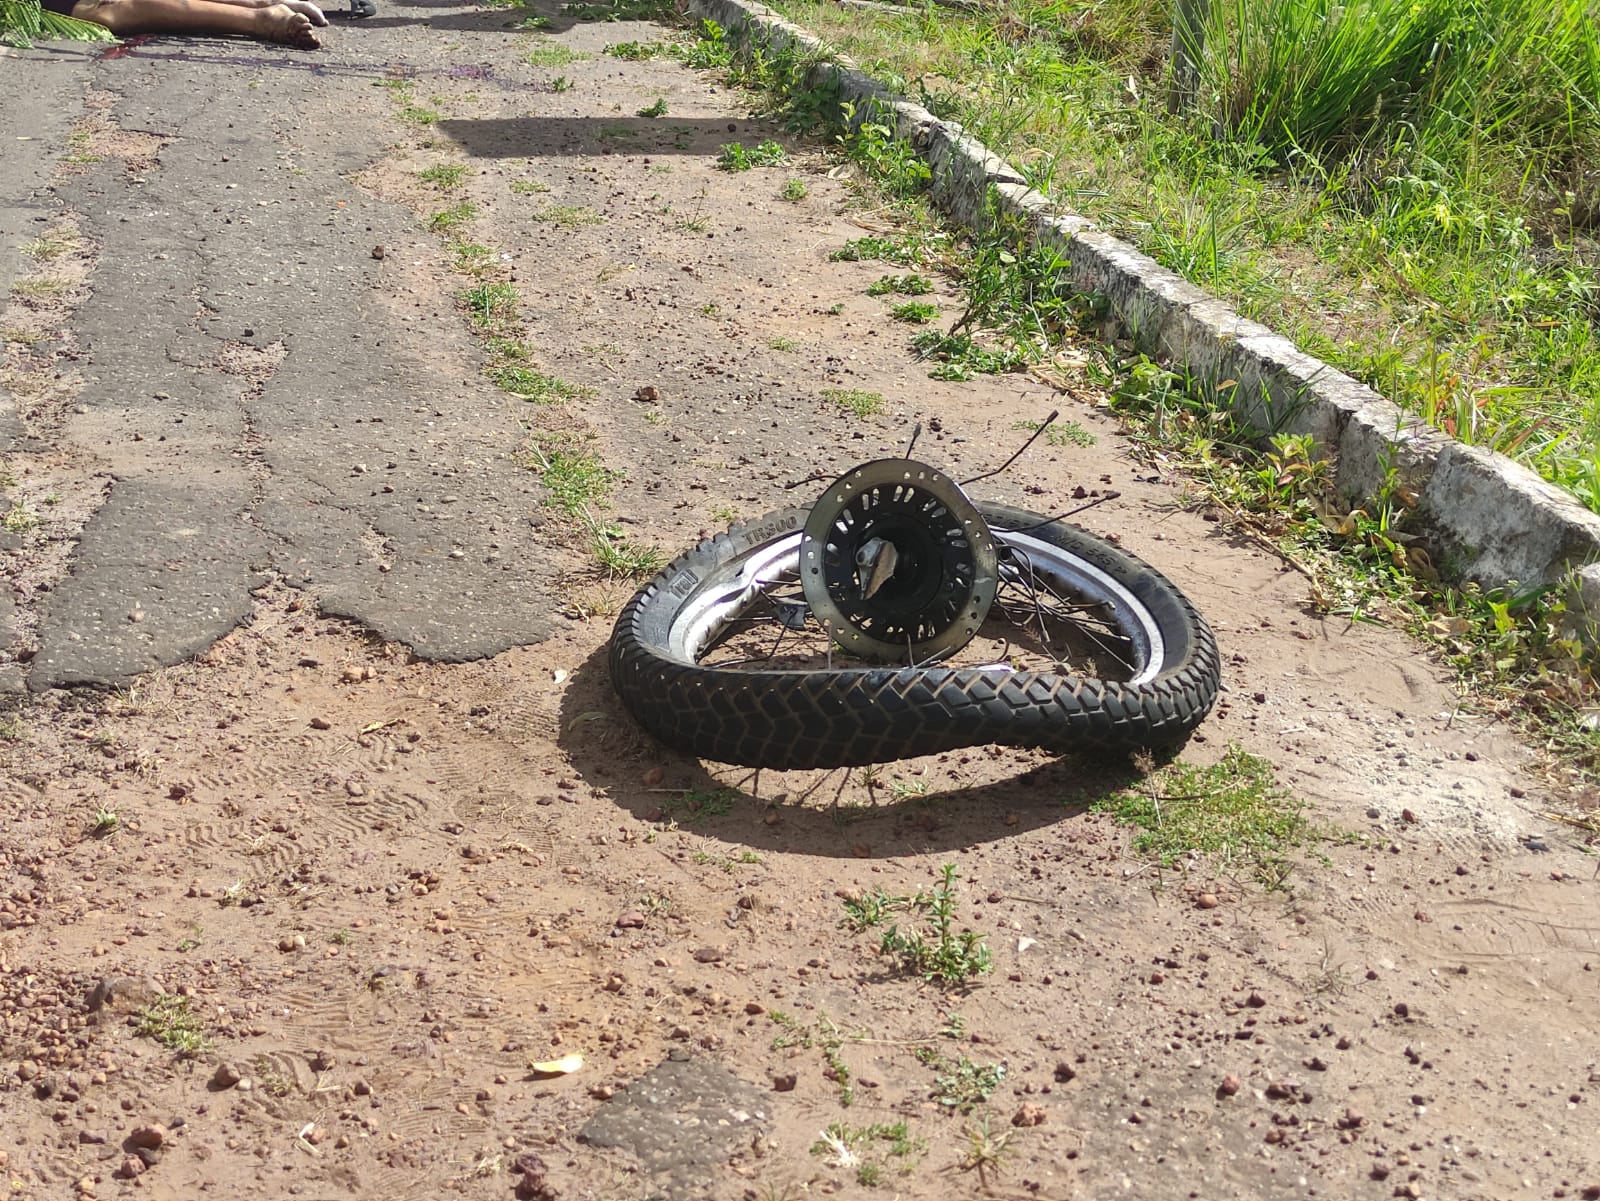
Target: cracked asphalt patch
pixel 222 218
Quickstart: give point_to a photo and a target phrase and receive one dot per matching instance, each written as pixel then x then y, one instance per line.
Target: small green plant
pixel 856 1147
pixel 171 1021
pixel 960 1084
pixel 854 400
pixel 871 909
pixel 623 557
pixel 725 514
pixel 1233 809
pixel 941 954
pixel 793 190
pixel 490 306
pixel 784 344
pixel 915 312
pixel 342 937
pixel 793 1033
pixel 552 54
pixel 106 823
pixel 902 789
pixel 561 84
pixel 568 216
pixel 903 285
pixel 698 804
pixel 636 52
pixel 958 357
pixel 528 187
pixel 892 162
pixel 710 49
pixel 19 519
pixel 904 251
pixel 986 1150
pixel 453 217
pixel 735 157
pixel 658 109
pixel 444 176
pixel 1057 433
pixel 419 115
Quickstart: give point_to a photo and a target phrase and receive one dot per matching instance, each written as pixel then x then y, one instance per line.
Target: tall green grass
pixel 1410 188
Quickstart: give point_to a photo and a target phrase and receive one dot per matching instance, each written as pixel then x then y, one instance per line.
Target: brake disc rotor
pixel 897 563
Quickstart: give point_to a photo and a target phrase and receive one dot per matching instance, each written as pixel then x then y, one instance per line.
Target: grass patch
pixel 444 176
pixel 472 258
pixel 663 12
pixel 1404 187
pixel 906 250
pixel 900 285
pixel 418 114
pixel 19 519
pixel 915 312
pixel 51 245
pixel 172 1022
pixel 552 54
pixel 793 191
pixel 574 480
pixel 535 386
pixel 636 52
pixel 1233 810
pixel 863 1148
pixel 40 287
pixel 568 216
pixel 735 157
pixel 1060 433
pixel 698 804
pixel 452 218
pixel 658 109
pixel 854 400
pixel 490 306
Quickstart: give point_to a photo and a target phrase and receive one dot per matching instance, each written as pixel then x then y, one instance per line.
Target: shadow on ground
pixel 829 814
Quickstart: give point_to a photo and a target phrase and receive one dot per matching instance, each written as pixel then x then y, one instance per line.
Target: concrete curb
pixel 1488 519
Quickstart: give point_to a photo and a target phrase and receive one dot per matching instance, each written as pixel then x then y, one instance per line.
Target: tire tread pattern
pixel 785 719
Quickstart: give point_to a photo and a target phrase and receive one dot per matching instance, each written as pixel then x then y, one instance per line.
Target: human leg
pixel 276 22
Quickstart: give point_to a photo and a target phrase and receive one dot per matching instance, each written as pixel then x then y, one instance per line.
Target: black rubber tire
pixel 844 718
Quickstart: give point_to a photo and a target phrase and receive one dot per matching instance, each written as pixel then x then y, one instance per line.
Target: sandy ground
pixel 385 886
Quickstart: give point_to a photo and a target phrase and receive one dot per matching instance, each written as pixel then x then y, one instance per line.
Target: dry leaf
pixel 1420 564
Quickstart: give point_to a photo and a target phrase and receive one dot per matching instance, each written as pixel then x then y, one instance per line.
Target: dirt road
pixel 360 805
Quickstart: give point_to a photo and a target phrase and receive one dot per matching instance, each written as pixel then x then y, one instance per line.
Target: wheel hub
pixel 897 563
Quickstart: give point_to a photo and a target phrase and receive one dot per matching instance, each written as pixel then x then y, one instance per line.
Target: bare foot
pixel 280 23
pixel 308 9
